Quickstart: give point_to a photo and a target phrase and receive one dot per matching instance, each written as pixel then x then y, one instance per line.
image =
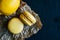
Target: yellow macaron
pixel 28 18
pixel 15 26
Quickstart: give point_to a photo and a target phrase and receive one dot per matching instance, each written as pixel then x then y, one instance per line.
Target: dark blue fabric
pixel 49 12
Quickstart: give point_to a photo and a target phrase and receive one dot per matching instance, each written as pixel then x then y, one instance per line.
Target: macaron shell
pixel 15 26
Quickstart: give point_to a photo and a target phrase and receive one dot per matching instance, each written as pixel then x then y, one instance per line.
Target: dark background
pixel 49 12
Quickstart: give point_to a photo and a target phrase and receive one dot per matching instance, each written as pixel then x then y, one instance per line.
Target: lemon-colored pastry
pixel 8 7
pixel 15 26
pixel 28 18
pixel 25 20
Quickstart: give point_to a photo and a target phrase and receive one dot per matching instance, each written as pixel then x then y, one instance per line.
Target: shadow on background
pixel 49 12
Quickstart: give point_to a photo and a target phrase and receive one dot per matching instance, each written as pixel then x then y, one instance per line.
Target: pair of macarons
pixel 16 25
